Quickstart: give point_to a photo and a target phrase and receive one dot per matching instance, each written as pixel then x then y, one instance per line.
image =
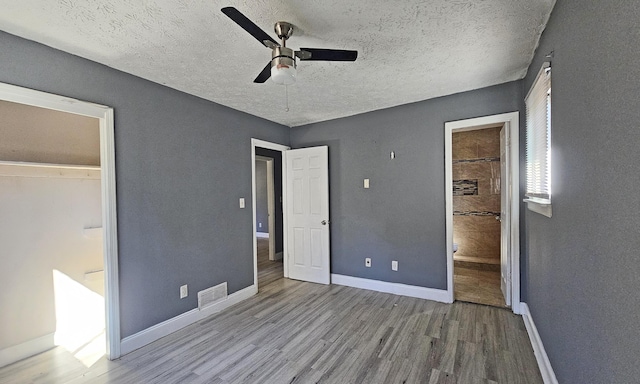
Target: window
pixel 538 150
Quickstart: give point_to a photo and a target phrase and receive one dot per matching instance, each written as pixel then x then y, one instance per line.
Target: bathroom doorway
pixel 482 210
pixel 476 213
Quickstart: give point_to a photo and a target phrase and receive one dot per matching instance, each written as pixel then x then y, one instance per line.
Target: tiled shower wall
pixel 476 194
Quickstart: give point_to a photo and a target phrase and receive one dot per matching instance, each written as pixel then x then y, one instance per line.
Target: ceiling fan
pixel 282 67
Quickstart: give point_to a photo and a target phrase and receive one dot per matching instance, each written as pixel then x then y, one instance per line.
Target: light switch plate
pixel 394 265
pixel 242 202
pixel 366 183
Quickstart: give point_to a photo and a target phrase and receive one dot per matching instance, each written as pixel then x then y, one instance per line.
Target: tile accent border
pixel 440 295
pixel 548 376
pixel 480 160
pixel 466 187
pixel 476 213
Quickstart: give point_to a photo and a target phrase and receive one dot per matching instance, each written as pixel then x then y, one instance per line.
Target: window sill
pixel 540 206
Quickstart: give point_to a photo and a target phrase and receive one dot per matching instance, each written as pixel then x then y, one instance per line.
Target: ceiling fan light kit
pixel 282 67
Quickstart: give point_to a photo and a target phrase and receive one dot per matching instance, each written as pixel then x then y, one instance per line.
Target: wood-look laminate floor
pixel 268 271
pixel 296 332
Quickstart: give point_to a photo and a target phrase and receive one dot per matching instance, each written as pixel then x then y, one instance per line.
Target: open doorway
pixel 482 210
pixel 57 178
pixel 268 213
pixel 51 233
pixel 305 206
pixel 476 213
pixel 266 202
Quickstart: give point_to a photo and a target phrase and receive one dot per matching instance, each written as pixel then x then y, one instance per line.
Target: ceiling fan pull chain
pixel 286 92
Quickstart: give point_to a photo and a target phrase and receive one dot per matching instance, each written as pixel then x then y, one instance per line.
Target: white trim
pixel 448 198
pixel 153 333
pixel 276 147
pixel 262 235
pixel 542 207
pixel 110 225
pixel 511 121
pixel 35 98
pixel 548 376
pixel 285 219
pixel 440 295
pixel 42 170
pixel 27 96
pixel 27 349
pixel 27 165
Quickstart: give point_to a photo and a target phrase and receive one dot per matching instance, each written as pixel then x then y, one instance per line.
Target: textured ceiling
pixel 408 50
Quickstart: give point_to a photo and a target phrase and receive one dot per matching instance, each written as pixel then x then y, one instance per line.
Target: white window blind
pixel 538 150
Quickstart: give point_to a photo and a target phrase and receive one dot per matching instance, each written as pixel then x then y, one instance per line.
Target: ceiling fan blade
pixel 327 54
pixel 264 75
pixel 248 26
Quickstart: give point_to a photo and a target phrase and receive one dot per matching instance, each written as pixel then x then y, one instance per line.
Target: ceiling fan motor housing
pixel 283 65
pixel 282 68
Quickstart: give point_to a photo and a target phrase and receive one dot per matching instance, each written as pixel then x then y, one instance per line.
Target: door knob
pixel 324 222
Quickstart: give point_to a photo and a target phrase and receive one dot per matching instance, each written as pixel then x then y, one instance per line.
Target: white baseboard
pixel 262 235
pixel 440 295
pixel 548 376
pixel 153 333
pixel 27 349
pixel 278 256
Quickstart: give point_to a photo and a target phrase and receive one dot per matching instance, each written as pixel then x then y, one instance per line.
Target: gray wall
pixel 583 264
pixel 177 222
pixel 402 216
pixel 262 206
pixel 277 188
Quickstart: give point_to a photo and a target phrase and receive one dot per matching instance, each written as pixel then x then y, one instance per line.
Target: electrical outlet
pixel 184 291
pixel 259 225
pixel 394 265
pixel 367 262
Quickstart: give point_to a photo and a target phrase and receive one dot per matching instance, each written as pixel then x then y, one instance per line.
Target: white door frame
pixel 511 122
pixel 270 206
pixel 104 114
pixel 276 147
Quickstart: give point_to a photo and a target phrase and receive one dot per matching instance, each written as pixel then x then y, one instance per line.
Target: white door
pixel 308 214
pixel 505 224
